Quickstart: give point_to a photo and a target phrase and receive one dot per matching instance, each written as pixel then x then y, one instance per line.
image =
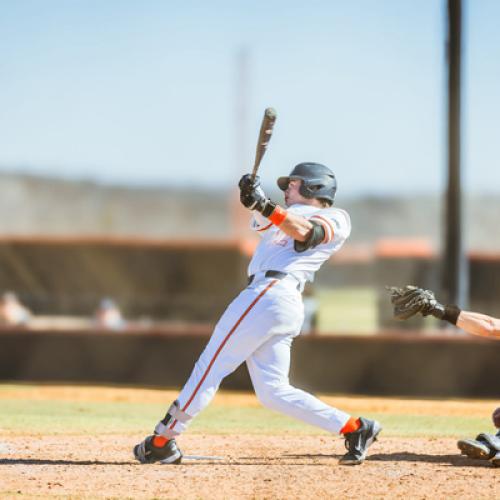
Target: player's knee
pixel 271 396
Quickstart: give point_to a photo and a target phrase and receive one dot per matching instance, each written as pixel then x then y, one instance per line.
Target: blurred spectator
pixel 12 312
pixel 310 311
pixel 108 315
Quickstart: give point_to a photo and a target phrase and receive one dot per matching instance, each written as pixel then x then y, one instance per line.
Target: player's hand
pixel 412 300
pixel 254 199
pixel 247 184
pixel 496 418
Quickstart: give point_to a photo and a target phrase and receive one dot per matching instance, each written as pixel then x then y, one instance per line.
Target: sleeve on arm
pixel 259 223
pixel 337 225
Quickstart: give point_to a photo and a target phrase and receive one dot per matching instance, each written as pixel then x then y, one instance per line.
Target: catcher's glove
pixel 412 300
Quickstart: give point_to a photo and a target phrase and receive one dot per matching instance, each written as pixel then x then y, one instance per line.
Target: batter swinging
pixel 258 327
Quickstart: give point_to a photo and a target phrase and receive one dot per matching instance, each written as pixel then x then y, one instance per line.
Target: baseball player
pixel 258 327
pixel 413 300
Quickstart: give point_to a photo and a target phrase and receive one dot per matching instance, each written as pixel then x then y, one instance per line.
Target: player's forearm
pixel 479 324
pixel 296 226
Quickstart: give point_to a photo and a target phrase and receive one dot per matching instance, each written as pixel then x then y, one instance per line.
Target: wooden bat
pixel 266 130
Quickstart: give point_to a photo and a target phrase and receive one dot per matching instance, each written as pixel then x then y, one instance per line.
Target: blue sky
pixel 145 92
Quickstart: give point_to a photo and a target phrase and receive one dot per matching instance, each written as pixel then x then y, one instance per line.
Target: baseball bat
pixel 266 131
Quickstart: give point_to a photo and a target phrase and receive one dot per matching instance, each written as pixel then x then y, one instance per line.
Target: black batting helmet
pixel 318 181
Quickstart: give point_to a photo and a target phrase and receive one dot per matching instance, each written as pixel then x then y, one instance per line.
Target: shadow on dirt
pixel 311 456
pixel 455 460
pixel 285 459
pixel 45 461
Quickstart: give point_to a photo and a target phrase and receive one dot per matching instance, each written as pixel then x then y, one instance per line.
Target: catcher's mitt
pixel 411 300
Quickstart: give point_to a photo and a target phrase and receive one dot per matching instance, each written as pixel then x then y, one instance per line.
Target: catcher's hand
pixel 412 300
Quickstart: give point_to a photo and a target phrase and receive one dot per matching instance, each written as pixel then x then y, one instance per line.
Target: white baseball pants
pixel 257 327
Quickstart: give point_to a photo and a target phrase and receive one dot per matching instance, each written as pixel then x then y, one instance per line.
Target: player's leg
pixel 269 367
pixel 245 325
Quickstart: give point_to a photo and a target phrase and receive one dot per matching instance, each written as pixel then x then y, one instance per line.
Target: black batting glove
pixel 254 198
pixel 247 184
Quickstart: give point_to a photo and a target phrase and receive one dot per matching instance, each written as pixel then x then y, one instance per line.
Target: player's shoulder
pixel 311 211
pixel 337 218
pixel 333 213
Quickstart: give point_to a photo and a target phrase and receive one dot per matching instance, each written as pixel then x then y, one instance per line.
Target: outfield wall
pixel 381 365
pixel 177 280
pixel 195 280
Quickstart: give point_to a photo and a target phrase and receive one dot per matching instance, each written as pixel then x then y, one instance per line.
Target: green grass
pixel 351 310
pixel 354 310
pixel 65 417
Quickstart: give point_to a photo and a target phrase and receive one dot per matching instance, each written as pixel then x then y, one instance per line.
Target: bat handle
pixel 254 172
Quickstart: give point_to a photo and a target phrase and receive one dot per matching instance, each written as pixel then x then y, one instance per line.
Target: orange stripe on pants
pixel 223 343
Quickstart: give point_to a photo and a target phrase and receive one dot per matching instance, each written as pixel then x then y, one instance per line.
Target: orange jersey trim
pixel 327 226
pixel 264 228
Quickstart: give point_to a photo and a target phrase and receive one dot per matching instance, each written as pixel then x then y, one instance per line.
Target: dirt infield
pixel 271 467
pixel 240 465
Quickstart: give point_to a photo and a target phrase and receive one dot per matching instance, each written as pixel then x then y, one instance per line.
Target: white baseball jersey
pixel 276 250
pixel 258 328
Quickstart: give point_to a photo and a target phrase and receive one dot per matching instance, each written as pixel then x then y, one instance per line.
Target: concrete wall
pixel 381 365
pixel 178 280
pixel 194 281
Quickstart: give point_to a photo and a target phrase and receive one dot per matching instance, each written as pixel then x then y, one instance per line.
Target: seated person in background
pixel 412 300
pixel 108 315
pixel 12 312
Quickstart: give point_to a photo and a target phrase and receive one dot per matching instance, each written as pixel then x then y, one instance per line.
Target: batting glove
pixel 247 184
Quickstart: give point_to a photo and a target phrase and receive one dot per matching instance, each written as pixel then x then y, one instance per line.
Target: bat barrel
pixel 266 131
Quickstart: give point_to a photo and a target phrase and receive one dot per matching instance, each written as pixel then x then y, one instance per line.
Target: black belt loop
pixel 275 274
pixel 269 274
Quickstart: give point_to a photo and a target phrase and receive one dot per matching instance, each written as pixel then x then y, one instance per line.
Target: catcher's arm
pixel 412 300
pixel 479 324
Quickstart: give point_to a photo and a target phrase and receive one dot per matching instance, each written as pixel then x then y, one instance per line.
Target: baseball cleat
pixel 485 446
pixel 495 461
pixel 358 442
pixel 474 449
pixel 147 453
